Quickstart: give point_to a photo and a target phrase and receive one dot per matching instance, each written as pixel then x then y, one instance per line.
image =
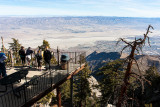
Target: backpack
pixel 2 57
pixel 39 57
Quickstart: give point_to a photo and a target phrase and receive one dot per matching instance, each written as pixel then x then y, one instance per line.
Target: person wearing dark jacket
pixel 28 55
pixel 47 58
pixel 22 55
pixel 39 60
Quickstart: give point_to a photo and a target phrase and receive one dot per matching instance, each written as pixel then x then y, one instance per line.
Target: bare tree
pixel 135 46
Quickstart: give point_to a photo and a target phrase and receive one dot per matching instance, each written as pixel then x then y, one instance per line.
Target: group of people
pixel 28 54
pixel 25 55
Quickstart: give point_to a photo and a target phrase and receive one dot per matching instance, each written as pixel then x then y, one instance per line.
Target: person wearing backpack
pixel 2 65
pixel 39 60
pixel 28 56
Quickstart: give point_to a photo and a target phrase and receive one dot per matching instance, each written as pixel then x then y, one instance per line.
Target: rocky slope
pixel 145 61
pixel 98 59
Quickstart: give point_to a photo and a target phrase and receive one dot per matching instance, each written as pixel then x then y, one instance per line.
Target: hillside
pixel 98 59
pixel 145 61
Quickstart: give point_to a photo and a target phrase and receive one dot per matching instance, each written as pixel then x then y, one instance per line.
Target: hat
pixel 1 54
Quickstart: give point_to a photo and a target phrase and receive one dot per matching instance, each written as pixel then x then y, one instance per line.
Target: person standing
pixel 28 55
pixel 39 60
pixel 47 58
pixel 2 65
pixel 22 55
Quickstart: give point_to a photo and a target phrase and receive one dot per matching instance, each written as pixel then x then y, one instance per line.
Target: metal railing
pixel 24 93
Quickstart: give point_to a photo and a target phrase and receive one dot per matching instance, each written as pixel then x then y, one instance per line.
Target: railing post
pixel 58 96
pixel 25 97
pixel 58 56
pixel 51 77
pixel 75 57
pixel 67 67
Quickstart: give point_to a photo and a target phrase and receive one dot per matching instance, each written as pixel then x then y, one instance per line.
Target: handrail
pixel 20 95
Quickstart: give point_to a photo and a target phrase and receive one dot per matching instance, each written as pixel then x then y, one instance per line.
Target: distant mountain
pixel 145 61
pixel 110 46
pixel 98 59
pixel 56 22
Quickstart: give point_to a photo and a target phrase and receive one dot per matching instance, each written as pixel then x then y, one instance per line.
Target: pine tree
pixel 48 99
pixel 140 98
pixel 153 76
pixel 82 91
pixel 110 78
pixel 65 92
pixel 15 46
pixel 45 44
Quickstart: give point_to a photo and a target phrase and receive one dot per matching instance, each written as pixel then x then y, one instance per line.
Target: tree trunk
pixel 126 78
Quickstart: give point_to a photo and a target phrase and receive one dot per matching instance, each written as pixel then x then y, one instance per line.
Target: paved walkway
pixel 32 72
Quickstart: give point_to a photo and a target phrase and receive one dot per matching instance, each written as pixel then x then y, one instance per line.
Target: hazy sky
pixel 127 8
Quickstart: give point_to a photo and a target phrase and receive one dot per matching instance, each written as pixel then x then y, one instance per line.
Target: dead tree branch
pixel 135 45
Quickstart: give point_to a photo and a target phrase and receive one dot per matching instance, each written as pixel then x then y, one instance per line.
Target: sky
pixel 121 8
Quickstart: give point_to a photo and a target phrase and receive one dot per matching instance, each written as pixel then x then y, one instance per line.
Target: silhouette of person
pixel 39 60
pixel 22 55
pixel 47 58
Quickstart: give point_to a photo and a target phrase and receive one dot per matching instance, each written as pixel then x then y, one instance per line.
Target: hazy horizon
pixel 67 32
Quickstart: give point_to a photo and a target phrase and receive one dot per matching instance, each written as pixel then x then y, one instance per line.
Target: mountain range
pixel 97 60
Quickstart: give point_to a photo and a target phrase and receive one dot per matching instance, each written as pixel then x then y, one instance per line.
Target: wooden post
pixel 31 63
pixel 80 57
pixel 71 91
pixel 9 57
pixel 58 96
pixel 68 67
